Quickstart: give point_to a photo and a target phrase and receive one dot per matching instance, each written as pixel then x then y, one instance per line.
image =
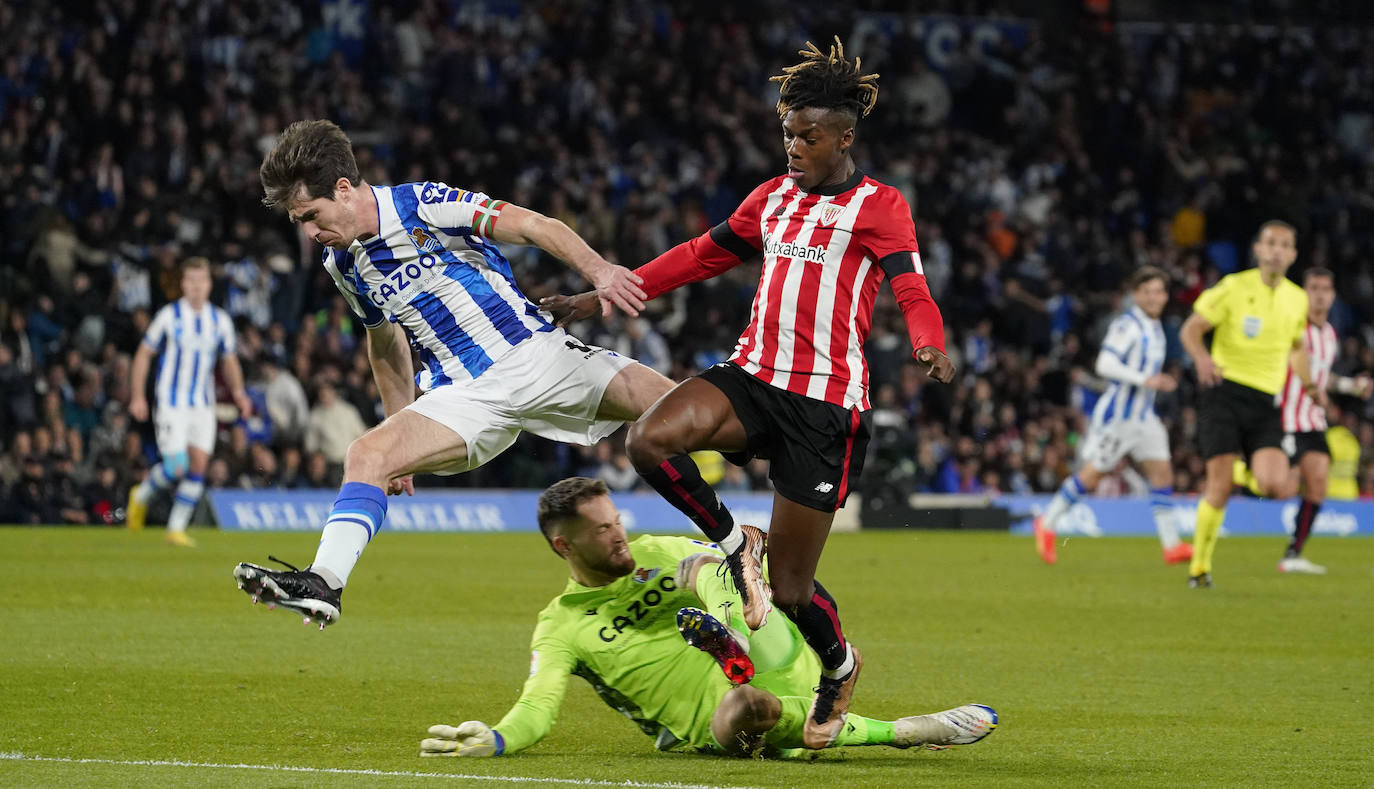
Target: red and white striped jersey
pixel 1300 413
pixel 822 265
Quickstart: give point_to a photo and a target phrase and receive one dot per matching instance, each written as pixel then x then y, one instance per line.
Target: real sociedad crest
pixel 831 213
pixel 645 574
pixel 423 240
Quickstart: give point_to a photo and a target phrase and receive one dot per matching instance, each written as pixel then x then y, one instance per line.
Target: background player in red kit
pixel 1304 419
pixel 796 389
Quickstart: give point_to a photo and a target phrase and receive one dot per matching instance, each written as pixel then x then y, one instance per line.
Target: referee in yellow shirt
pixel 1258 318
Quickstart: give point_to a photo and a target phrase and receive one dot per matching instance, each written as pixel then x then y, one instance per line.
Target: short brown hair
pixel 1145 274
pixel 313 154
pixel 1279 223
pixel 560 502
pixel 1318 271
pixel 200 263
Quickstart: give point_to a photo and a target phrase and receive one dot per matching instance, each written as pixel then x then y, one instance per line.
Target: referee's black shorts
pixel 816 448
pixel 1234 419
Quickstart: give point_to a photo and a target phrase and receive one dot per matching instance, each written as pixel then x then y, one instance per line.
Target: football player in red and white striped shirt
pixel 796 389
pixel 1304 419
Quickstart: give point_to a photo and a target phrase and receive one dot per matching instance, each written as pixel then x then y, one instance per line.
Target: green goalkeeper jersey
pixel 623 639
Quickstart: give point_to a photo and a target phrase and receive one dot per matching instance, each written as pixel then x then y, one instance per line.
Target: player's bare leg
pixel 378 462
pixel 743 717
pixel 631 392
pixel 1270 467
pixel 1314 468
pixel 697 415
pixel 797 536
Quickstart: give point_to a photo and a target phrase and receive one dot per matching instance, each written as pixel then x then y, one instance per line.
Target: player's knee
pixel 365 459
pixel 644 445
pixel 792 598
pixel 742 717
pixel 174 465
pixel 1272 487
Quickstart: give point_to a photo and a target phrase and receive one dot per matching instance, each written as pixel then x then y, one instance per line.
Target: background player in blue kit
pixel 416 262
pixel 188 336
pixel 1124 421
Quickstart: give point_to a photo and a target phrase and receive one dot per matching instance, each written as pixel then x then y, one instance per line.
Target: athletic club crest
pixel 645 574
pixel 831 213
pixel 1251 326
pixel 423 240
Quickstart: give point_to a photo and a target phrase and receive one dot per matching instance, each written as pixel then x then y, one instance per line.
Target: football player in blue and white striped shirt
pixel 418 264
pixel 1124 420
pixel 188 336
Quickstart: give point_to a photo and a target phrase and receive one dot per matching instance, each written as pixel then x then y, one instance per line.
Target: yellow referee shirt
pixel 1255 327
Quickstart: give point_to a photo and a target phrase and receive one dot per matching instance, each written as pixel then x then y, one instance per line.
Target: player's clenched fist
pixel 469 738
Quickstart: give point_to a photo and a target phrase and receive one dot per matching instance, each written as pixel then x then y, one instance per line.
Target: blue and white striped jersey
pixel 1137 342
pixel 188 343
pixel 432 270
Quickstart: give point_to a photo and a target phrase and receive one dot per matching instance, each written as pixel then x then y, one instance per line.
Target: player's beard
pixel 617 564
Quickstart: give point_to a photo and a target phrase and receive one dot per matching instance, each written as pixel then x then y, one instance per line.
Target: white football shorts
pixel 550 384
pixel 179 428
pixel 1105 445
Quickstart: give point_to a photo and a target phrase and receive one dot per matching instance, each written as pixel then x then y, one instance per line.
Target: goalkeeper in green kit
pixel 659 635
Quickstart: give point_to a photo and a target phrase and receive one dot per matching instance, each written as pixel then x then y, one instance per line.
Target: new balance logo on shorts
pixel 824 487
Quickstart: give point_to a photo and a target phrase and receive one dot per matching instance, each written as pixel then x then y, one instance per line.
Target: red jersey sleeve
pixel 889 236
pixel 736 239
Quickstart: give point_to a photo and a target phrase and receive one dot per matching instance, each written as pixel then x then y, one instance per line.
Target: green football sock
pixel 858 730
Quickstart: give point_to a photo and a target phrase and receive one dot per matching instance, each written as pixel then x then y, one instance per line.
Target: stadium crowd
pixel 1041 168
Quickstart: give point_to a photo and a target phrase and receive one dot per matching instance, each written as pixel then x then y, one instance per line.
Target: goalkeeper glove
pixel 470 738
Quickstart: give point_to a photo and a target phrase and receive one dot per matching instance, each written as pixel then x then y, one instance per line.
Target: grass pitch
pixel 1105 669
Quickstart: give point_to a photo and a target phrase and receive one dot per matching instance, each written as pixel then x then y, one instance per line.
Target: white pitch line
pixel 16 756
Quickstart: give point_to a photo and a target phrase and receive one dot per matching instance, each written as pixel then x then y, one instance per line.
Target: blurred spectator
pixel 31 497
pixel 1039 175
pixel 333 425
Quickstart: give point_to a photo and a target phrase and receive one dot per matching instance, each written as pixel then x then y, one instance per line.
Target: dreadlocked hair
pixel 828 81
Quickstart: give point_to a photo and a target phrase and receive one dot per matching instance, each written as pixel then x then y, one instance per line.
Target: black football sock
pixel 1302 529
pixel 678 480
pixel 819 623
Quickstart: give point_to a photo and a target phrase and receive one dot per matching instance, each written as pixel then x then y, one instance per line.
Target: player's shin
pixel 678 480
pixel 158 480
pixel 1209 520
pixel 1302 527
pixel 358 513
pixel 858 730
pixel 1166 524
pixel 188 495
pixel 819 623
pixel 1068 494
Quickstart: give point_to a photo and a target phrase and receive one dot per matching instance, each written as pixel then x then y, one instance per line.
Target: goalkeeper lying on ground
pixel 617 624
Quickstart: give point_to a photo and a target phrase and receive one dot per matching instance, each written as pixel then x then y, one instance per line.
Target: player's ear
pixel 342 187
pixel 560 545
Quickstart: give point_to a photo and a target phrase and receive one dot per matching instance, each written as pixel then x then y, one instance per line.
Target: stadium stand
pixel 1043 163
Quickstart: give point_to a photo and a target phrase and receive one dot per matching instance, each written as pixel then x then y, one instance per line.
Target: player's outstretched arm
pixel 469 738
pixel 615 285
